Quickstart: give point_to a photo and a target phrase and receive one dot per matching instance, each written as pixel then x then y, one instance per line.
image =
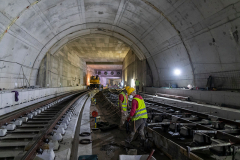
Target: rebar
pixel 209 146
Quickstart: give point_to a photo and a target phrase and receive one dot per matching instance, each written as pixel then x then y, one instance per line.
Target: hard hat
pixel 130 90
pixel 127 88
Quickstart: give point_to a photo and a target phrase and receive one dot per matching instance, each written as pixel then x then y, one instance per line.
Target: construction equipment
pixel 94 82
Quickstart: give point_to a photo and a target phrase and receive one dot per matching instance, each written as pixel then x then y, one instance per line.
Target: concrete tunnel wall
pixel 62 69
pixel 198 37
pixel 133 68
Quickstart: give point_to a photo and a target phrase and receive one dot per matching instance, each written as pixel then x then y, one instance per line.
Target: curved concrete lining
pixel 197 37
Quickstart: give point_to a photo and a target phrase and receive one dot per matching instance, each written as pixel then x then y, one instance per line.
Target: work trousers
pixel 123 119
pixel 138 126
pixel 137 89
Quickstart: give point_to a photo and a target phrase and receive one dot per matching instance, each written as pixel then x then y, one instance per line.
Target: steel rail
pixel 201 115
pixel 16 114
pixel 219 134
pixel 32 151
pixel 225 135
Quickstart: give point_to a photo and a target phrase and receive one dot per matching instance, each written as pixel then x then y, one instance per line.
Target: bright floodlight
pixel 177 72
pixel 132 83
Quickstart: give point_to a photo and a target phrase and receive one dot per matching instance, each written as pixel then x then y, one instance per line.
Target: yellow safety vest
pixel 137 82
pixel 124 103
pixel 141 111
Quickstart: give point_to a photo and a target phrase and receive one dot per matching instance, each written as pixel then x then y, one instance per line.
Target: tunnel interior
pixel 184 53
pixel 199 38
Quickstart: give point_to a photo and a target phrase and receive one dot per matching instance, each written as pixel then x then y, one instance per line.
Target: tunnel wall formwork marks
pixel 199 37
pixel 61 70
pixel 134 68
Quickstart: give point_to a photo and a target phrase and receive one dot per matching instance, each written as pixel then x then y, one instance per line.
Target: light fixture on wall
pixel 177 72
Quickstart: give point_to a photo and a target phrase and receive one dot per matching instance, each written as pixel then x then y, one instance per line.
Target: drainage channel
pixel 38 131
pixel 182 133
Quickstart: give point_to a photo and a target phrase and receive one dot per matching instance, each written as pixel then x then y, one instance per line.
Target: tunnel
pixel 178 50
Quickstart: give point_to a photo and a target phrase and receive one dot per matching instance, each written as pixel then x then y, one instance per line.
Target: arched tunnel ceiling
pixel 200 37
pixel 99 48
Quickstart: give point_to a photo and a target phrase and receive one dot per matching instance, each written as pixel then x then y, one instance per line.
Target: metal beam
pixel 104 63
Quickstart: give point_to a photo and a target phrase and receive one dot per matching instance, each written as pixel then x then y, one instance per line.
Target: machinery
pixel 94 82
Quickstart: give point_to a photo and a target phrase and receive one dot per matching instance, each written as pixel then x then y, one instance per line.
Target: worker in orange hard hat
pixel 123 106
pixel 138 115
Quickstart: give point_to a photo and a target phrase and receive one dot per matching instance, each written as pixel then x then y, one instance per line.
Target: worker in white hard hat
pixel 138 115
pixel 123 106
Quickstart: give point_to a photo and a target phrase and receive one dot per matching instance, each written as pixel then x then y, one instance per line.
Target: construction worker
pixel 126 88
pixel 138 115
pixel 123 105
pixel 137 83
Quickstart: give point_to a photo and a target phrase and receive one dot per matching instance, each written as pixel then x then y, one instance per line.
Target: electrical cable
pixel 19 64
pixel 25 77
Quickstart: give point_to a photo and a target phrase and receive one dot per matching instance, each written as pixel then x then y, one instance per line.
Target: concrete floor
pixel 115 136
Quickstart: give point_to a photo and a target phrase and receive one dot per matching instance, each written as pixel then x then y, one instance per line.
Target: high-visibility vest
pixel 124 103
pixel 137 82
pixel 141 111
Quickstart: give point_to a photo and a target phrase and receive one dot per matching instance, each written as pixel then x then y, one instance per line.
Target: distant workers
pixel 138 115
pixel 137 83
pixel 123 105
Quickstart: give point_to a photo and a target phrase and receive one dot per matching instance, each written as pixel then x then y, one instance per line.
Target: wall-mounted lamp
pixel 177 72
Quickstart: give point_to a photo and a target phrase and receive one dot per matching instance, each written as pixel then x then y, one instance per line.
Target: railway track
pixel 183 133
pixel 28 131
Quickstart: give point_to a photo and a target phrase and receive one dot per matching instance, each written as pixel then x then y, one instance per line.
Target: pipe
pixel 172 96
pixel 209 146
pixel 204 131
pixel 149 98
pixel 231 131
pixel 171 114
pixel 150 156
pixel 213 131
pixel 162 123
pixel 166 123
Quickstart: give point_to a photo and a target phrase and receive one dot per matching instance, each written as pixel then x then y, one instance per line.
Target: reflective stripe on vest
pixel 124 103
pixel 141 111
